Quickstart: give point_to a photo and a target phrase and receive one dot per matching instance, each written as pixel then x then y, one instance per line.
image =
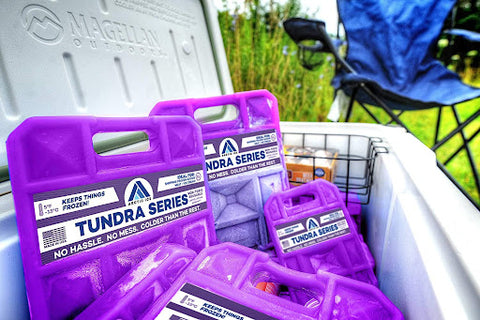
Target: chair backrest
pixel 392 36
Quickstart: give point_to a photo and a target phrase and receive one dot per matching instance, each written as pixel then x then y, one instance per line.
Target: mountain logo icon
pixel 138 191
pixel 312 224
pixel 228 146
pixel 42 24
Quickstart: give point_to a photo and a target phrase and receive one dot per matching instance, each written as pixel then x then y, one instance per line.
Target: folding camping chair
pixel 390 63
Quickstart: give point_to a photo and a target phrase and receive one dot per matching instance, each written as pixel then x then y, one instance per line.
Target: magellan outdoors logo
pixel 312 224
pixel 89 31
pixel 228 147
pixel 42 24
pixel 138 191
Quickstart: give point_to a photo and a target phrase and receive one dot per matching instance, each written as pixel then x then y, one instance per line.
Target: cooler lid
pixel 105 58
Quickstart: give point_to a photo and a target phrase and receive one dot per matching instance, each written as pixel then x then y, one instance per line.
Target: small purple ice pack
pixel 84 219
pixel 244 159
pixel 135 292
pixel 222 283
pixel 318 234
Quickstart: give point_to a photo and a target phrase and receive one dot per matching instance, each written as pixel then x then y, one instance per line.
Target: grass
pixel 260 55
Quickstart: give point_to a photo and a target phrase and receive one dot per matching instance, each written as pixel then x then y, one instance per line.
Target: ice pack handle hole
pixel 103 142
pixel 216 114
pixel 299 200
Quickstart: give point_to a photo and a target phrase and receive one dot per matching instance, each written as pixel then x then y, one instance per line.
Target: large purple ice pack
pixel 134 293
pixel 221 284
pixel 85 219
pixel 244 159
pixel 318 234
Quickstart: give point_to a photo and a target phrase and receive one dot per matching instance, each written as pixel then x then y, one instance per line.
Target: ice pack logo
pixel 42 24
pixel 228 147
pixel 312 224
pixel 138 191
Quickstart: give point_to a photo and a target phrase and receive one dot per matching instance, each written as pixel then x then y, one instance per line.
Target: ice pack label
pixel 192 302
pixel 311 230
pixel 237 154
pixel 81 218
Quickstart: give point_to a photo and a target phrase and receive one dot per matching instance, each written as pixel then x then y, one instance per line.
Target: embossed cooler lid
pixel 105 57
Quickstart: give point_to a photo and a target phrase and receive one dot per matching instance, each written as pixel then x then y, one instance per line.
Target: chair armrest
pixel 466 34
pixel 300 29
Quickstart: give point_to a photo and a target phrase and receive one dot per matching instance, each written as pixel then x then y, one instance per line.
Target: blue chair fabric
pixel 391 45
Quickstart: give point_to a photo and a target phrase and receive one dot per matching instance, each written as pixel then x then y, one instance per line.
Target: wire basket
pixel 355 160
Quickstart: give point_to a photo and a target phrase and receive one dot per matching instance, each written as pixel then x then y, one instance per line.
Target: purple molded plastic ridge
pixel 222 280
pixel 244 158
pixel 84 220
pixel 318 234
pixel 134 293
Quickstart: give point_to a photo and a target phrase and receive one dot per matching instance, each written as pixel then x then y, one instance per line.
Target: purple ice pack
pixel 244 159
pixel 135 292
pixel 353 205
pixel 85 219
pixel 221 283
pixel 318 234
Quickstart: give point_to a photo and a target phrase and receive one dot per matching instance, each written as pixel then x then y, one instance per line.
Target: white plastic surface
pixel 422 231
pixel 105 57
pixel 13 300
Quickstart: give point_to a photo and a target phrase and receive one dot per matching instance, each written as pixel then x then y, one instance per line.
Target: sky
pixel 325 10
